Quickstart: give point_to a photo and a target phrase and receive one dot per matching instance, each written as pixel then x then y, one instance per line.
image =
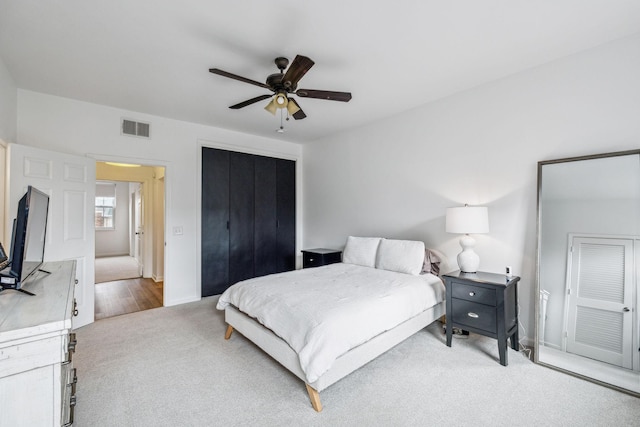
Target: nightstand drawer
pixel 474 315
pixel 474 293
pixel 320 257
pixel 311 260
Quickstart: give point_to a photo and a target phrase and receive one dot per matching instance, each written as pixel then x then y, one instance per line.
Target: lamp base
pixel 468 260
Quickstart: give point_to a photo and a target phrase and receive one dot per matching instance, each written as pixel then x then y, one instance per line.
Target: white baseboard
pixel 169 303
pixel 106 255
pixel 157 278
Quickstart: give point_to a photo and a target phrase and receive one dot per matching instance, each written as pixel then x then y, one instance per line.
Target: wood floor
pixel 126 296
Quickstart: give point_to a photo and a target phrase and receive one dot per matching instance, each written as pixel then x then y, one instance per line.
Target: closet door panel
pixel 286 211
pixel 265 243
pixel 215 215
pixel 241 216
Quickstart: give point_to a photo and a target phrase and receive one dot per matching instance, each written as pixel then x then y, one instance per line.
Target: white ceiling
pixel 153 56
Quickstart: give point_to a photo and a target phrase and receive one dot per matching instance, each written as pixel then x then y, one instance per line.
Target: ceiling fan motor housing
pixel 281 63
pixel 276 83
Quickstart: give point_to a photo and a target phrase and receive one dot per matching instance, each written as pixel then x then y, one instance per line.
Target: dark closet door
pixel 215 217
pixel 241 216
pixel 248 217
pixel 286 211
pixel 265 243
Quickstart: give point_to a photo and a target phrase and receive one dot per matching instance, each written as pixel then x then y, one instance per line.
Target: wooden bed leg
pixel 314 396
pixel 227 334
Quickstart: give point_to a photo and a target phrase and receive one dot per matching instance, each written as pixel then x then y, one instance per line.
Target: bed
pixel 323 323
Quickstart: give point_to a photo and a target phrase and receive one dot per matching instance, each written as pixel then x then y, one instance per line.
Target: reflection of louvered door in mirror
pixel 599 323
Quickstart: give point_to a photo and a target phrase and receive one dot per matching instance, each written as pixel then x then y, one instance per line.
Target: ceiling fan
pixel 283 85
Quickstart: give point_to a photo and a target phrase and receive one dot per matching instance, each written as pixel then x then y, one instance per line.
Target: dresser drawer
pixel 474 293
pixel 474 315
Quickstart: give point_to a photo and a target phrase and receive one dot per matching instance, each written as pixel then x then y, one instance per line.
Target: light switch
pixel 177 231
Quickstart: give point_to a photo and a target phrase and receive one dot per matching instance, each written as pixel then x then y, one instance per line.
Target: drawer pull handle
pixel 474 315
pixel 311 260
pixel 472 294
pixel 71 347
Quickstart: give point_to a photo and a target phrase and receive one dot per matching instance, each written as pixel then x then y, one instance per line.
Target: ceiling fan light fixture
pixel 292 107
pixel 281 100
pixel 272 107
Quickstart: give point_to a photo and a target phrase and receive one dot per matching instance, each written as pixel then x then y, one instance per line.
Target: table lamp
pixel 468 220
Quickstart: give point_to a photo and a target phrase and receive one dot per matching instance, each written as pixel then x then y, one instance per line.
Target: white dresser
pixel 37 378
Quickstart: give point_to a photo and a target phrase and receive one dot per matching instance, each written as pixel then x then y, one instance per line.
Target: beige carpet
pixel 171 366
pixel 113 268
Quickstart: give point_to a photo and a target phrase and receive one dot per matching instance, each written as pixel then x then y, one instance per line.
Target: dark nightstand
pixel 319 257
pixel 484 303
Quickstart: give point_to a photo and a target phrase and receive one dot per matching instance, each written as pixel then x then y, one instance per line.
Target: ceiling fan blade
pixel 324 94
pixel 236 77
pixel 299 114
pixel 250 101
pixel 297 69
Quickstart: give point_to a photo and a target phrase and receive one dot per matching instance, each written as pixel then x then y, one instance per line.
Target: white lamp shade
pixel 467 220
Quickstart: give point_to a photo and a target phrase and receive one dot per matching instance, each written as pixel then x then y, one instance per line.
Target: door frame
pixel 167 202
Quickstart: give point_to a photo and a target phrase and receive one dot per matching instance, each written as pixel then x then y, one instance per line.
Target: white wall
pixel 8 105
pixel 80 128
pixel 116 241
pixel 8 129
pixel 395 178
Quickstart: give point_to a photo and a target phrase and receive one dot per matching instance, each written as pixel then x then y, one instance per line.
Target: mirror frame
pixel 538 256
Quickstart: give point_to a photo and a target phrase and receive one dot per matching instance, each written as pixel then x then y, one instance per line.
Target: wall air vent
pixel 133 128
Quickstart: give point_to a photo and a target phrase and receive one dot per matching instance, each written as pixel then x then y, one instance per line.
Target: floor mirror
pixel 587 321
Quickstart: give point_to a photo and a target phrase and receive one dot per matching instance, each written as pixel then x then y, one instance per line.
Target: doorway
pixel 129 238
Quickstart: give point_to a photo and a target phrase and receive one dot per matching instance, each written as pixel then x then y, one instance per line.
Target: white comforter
pixel 324 312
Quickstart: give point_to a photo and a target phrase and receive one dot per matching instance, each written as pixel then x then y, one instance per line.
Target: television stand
pixel 12 284
pixel 37 345
pixel 2 288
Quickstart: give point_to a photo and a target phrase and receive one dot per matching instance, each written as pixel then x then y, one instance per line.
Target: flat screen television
pixel 29 237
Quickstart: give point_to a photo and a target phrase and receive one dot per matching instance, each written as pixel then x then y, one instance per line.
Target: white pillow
pixel 361 251
pixel 403 256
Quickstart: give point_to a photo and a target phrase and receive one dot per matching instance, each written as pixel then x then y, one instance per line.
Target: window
pixel 105 206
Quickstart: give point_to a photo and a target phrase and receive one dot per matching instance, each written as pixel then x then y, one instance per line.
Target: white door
pixel 70 183
pixel 138 216
pixel 600 300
